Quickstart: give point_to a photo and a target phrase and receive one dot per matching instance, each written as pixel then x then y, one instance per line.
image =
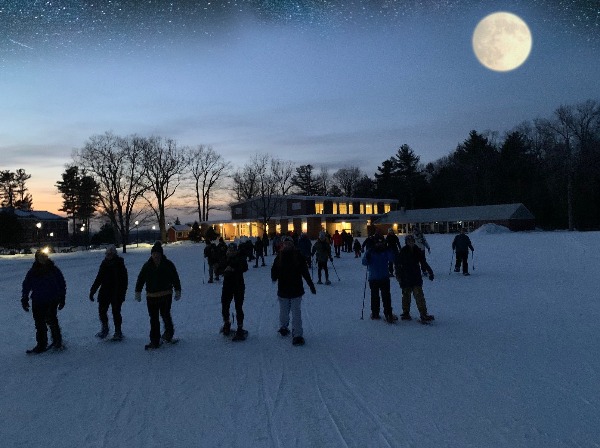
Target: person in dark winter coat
pixel 393 243
pixel 112 280
pixel 211 255
pixel 288 270
pixel 259 252
pixel 305 246
pixel 376 259
pixel 221 254
pixel 461 244
pixel 410 262
pixel 46 284
pixel 322 251
pixel 234 289
pixel 357 249
pixel 160 277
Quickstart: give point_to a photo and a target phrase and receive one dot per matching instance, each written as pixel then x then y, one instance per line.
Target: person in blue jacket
pixel 48 289
pixel 377 259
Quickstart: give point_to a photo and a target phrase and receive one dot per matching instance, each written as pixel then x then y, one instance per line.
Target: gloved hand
pixel 313 290
pixel 91 297
pixel 177 295
pixel 61 303
pixel 25 304
pixel 431 276
pixel 138 296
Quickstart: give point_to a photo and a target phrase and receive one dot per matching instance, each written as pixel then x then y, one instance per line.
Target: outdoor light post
pixel 154 233
pixel 39 226
pixel 137 234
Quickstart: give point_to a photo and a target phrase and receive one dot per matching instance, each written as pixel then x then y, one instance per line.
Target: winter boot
pixel 37 349
pixel 375 316
pixel 456 269
pixel 298 340
pixel 226 328
pixel 427 317
pixel 118 335
pixel 283 331
pixel 152 346
pixel 327 282
pixel 390 318
pixel 319 282
pixel 405 316
pixel 103 332
pixel 240 335
pixel 167 336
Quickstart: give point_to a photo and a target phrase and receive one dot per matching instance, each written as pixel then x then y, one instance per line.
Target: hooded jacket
pixel 45 282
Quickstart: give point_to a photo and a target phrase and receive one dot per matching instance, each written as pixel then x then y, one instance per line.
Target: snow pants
pixel 462 257
pixel 235 294
pixel 417 291
pixel 293 305
pixel 44 317
pixel 383 287
pixel 160 307
pixel 115 305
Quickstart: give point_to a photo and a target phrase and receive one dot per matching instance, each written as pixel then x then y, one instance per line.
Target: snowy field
pixel 512 359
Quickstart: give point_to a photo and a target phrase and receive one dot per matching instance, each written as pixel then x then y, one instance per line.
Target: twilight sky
pixel 333 83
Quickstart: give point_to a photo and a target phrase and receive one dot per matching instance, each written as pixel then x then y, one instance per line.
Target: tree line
pixel 552 165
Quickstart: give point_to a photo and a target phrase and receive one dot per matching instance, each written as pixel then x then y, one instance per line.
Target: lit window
pixel 319 208
pixel 351 208
pixel 343 209
pixel 335 208
pixel 362 208
pixel 368 209
pixel 375 208
pixel 386 208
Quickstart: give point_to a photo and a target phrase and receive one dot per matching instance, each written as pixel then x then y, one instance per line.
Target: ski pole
pixel 451 260
pixel 335 270
pixel 364 295
pixel 473 259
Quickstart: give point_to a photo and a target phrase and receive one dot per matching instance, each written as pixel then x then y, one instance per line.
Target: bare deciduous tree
pixel 207 168
pixel 164 164
pixel 117 165
pixel 347 179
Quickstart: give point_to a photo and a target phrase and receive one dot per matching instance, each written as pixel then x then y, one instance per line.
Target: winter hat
pixel 408 238
pixel 157 248
pixel 111 249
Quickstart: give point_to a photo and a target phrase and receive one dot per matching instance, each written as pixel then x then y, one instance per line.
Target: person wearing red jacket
pixel 337 243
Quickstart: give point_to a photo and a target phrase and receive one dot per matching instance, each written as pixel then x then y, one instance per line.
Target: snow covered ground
pixel 512 359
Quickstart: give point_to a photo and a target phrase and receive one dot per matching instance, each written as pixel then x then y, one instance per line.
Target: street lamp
pixel 137 234
pixel 39 226
pixel 154 233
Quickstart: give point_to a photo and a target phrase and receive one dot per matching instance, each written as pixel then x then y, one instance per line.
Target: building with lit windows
pixel 308 214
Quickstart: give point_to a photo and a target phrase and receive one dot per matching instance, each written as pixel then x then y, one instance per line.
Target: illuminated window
pixel 368 209
pixel 362 208
pixel 375 208
pixel 335 208
pixel 343 209
pixel 351 208
pixel 386 208
pixel 319 208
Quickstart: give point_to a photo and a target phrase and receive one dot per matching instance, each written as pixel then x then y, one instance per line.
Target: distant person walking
pixel 462 244
pixel 234 289
pixel 160 277
pixel 112 280
pixel 322 252
pixel 288 270
pixel 377 258
pixel 48 289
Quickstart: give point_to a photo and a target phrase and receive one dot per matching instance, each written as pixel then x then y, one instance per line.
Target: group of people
pixel 45 286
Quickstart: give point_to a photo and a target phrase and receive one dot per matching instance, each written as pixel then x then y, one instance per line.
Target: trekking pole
pixel 335 270
pixel 473 259
pixel 364 295
pixel 451 260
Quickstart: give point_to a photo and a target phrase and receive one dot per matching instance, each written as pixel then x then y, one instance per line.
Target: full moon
pixel 502 41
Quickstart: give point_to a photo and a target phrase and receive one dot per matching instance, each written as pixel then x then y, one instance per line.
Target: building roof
pixel 450 214
pixel 180 227
pixel 40 215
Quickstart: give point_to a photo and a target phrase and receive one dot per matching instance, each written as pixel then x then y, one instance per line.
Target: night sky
pixel 334 83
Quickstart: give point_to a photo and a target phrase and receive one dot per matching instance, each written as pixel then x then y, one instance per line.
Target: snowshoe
pixel 405 316
pixel 102 333
pixel 240 335
pixel 426 319
pixel 375 316
pixel 466 273
pixel 57 346
pixel 456 269
pixel 298 340
pixel 391 318
pixel 319 282
pixel 327 282
pixel 117 336
pixel 36 350
pixel 226 329
pixel 283 331
pixel 152 346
